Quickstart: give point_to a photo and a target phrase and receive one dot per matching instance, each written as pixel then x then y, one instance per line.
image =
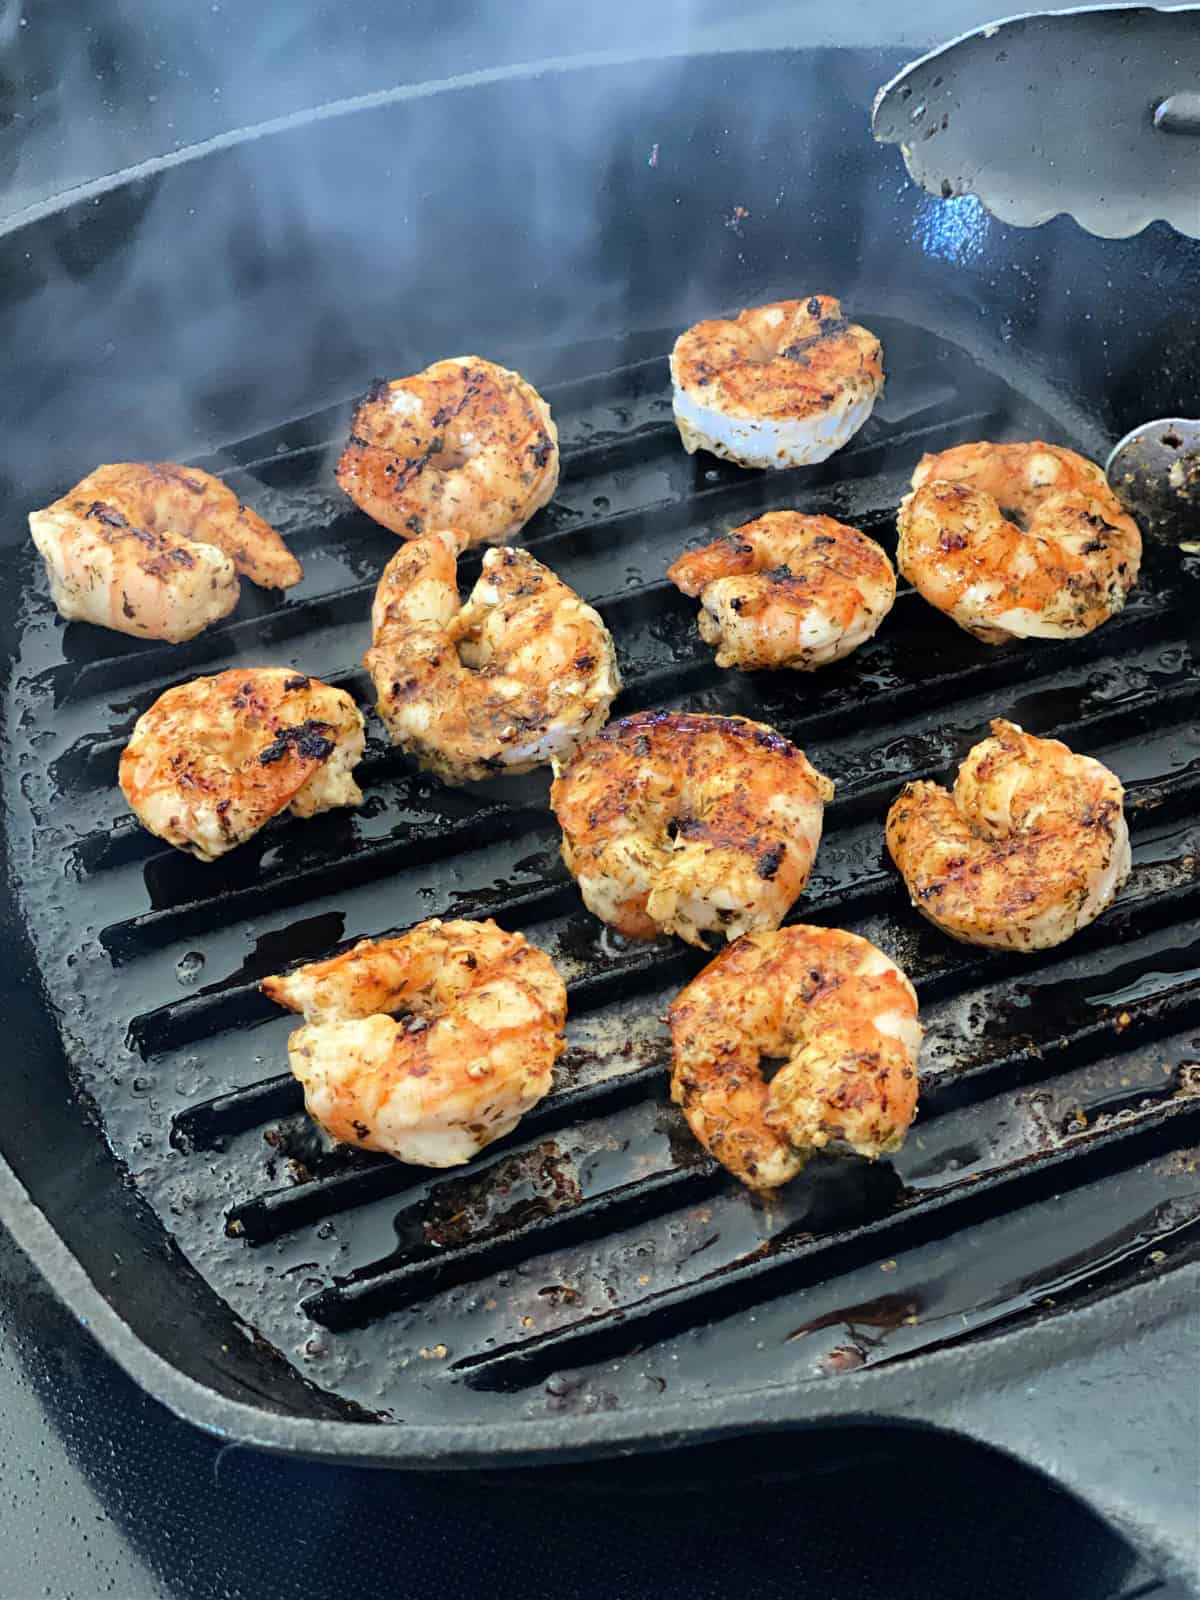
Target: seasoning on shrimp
pixel 687 824
pixel 787 590
pixel 842 1017
pixel 781 385
pixel 429 1046
pixel 213 760
pixel 154 550
pixel 464 444
pixel 1017 541
pixel 1030 846
pixel 513 678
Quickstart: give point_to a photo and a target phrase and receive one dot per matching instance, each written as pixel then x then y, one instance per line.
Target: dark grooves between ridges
pixel 918 663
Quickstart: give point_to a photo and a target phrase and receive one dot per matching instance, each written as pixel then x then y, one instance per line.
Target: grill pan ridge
pixel 597 1258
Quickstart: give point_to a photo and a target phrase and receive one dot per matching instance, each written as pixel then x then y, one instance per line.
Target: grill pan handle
pixel 1117 1423
pixel 1092 112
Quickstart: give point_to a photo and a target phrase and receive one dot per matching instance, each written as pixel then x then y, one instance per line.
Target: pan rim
pixel 94 189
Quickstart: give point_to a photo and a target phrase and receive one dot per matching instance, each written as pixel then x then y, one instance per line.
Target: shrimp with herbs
pixel 1017 541
pixel 213 760
pixel 787 590
pixel 515 677
pixel 463 444
pixel 689 824
pixel 429 1046
pixel 1030 845
pixel 155 550
pixel 780 385
pixel 843 1019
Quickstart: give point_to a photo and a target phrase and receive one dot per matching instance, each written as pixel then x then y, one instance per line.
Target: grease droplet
pixel 189 967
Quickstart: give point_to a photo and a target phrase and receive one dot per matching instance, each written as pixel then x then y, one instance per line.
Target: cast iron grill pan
pixel 598 1259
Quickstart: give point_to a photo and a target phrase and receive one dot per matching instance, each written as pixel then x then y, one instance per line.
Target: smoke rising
pixel 233 260
pixel 106 84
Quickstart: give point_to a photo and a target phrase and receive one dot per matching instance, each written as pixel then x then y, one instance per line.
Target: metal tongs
pixel 1093 112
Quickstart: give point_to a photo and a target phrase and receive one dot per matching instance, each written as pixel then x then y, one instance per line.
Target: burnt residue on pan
pixel 598 1258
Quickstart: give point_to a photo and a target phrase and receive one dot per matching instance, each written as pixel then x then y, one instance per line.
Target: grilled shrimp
pixel 516 676
pixel 1017 541
pixel 154 550
pixel 1030 846
pixel 480 1028
pixel 787 591
pixel 213 760
pixel 843 1017
pixel 464 444
pixel 781 385
pixel 675 823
